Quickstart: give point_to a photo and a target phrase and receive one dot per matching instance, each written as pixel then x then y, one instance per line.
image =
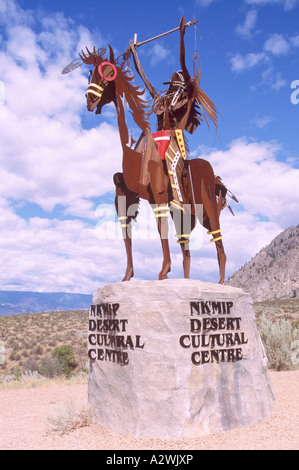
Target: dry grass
pixel 68 418
pixel 276 310
pixel 44 382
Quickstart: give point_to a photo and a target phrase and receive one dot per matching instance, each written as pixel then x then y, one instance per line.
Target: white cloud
pixel 279 82
pixel 52 163
pixel 287 4
pixel 277 45
pixel 204 3
pixel 272 79
pixel 266 190
pixel 158 53
pixel 46 157
pixel 262 121
pixel 10 12
pixel 52 255
pixel 295 40
pixel 245 30
pixel 240 62
pixel 264 185
pixel 2 92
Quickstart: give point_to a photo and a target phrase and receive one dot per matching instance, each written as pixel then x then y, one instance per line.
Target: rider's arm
pixel 188 79
pixel 140 70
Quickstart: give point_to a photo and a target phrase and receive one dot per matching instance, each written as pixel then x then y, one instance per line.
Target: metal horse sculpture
pixel 164 178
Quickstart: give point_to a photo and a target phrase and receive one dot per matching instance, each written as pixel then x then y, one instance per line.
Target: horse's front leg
pixel 166 266
pixel 126 204
pixel 128 245
pixel 186 258
pixel 161 214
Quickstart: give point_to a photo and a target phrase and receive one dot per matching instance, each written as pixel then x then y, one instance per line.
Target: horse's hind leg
pixel 126 204
pixel 217 238
pixel 221 261
pixel 184 223
pixel 212 224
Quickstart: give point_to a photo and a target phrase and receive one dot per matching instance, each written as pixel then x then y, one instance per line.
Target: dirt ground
pixel 25 425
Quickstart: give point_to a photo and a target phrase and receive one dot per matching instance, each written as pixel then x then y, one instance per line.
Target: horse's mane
pixel 124 88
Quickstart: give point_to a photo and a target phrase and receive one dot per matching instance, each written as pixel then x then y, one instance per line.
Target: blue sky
pixel 58 229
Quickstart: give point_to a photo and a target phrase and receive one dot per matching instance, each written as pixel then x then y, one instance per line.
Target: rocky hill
pixel 274 272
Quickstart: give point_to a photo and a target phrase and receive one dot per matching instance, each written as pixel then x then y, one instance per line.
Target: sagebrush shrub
pixel 277 339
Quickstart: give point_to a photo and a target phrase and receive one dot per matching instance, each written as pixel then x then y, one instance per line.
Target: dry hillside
pixel 30 338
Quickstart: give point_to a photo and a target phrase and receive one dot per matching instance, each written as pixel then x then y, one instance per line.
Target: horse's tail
pixel 203 189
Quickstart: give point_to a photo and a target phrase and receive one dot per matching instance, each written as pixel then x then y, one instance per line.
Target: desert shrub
pixel 277 339
pixel 35 351
pixel 30 365
pixel 66 358
pixel 12 356
pixel 50 367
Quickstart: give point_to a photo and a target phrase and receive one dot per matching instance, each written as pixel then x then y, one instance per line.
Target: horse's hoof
pixel 128 276
pixel 163 276
pixel 164 271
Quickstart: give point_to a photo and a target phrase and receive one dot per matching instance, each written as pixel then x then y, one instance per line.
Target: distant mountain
pixel 274 272
pixel 18 302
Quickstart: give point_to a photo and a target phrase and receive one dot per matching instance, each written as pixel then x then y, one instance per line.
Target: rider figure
pixel 177 110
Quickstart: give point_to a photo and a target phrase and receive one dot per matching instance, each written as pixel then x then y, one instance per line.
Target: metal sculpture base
pixel 174 359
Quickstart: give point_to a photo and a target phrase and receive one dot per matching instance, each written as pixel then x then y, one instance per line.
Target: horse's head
pixel 108 83
pixel 101 87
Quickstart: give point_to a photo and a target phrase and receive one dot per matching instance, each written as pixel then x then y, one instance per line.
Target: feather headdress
pixel 205 104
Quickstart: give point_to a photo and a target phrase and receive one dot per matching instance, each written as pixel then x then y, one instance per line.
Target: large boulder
pixel 175 358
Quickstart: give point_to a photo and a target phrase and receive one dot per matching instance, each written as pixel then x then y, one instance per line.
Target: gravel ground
pixel 25 412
